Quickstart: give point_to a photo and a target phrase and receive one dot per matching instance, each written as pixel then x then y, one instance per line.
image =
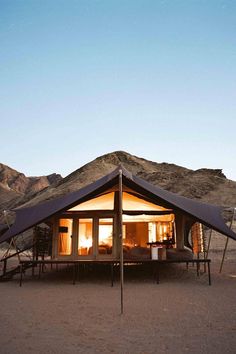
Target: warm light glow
pixel 139 232
pixel 103 202
pixel 160 230
pixel 131 202
pixel 152 232
pixel 197 238
pixel 85 241
pixel 106 202
pixel 165 230
pixel 105 235
pixel 65 237
pixel 148 218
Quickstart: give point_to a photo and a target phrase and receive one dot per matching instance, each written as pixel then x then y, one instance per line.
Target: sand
pixel 183 314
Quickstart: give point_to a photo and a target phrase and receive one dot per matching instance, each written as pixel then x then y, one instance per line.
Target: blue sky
pixel 79 79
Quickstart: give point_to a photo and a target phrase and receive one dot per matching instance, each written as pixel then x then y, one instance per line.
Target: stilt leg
pixel 21 273
pixel 33 269
pixel 77 271
pixel 40 270
pixel 209 272
pixel 74 273
pixel 198 269
pixel 112 274
pixel 157 273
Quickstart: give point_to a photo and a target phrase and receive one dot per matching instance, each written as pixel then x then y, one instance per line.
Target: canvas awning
pixel 207 214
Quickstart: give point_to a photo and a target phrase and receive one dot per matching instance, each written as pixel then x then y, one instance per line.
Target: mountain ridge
pixel 15 186
pixel 206 185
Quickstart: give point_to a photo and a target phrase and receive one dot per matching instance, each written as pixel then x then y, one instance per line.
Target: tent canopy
pixel 207 214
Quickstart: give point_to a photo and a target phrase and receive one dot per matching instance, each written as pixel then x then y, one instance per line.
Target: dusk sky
pixel 81 78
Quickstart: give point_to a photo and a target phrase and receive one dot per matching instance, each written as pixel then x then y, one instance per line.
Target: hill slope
pixel 15 187
pixel 204 184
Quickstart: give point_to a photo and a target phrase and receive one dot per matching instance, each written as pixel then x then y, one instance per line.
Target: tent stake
pixel 121 244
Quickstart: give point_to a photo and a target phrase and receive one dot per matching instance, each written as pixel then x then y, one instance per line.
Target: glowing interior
pixel 148 218
pixel 197 238
pixel 103 202
pixel 105 236
pixel 130 202
pixel 85 240
pixel 142 229
pixel 106 202
pixel 65 239
pixel 138 230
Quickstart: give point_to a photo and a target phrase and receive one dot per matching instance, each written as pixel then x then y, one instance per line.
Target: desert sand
pixel 183 314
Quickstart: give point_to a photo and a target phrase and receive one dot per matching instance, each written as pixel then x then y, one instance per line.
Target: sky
pixel 82 78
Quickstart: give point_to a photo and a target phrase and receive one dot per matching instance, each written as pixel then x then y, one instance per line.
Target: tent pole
pixel 209 243
pixel 121 244
pixel 226 243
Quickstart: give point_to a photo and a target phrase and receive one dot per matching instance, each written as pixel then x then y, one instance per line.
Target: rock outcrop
pixel 16 187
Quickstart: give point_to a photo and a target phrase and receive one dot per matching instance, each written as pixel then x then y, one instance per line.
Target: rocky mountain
pixel 15 187
pixel 206 185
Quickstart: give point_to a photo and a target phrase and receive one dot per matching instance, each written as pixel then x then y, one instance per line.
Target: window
pixel 105 236
pixel 65 237
pixel 136 234
pixel 85 241
pixel 141 229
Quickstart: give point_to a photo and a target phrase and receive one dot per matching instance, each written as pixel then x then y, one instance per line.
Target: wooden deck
pixel 155 265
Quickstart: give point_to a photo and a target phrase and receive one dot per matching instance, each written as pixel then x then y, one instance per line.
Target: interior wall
pixel 137 234
pixel 142 233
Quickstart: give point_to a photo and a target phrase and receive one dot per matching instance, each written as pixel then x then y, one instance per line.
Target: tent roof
pixel 3 227
pixel 207 214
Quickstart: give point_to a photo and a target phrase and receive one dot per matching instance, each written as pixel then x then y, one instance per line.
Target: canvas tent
pixel 154 201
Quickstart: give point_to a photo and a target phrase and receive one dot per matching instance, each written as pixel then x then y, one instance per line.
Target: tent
pixel 191 210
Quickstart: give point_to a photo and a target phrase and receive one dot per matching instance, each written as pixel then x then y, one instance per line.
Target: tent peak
pixel 124 171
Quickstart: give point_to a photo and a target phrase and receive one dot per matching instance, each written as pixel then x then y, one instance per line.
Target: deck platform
pixel 155 265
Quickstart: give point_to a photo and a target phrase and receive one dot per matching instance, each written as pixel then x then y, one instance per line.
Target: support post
pixel 227 241
pixel 74 273
pixel 4 267
pixel 112 274
pixel 209 272
pixel 121 244
pixel 157 273
pixel 21 274
pixel 209 243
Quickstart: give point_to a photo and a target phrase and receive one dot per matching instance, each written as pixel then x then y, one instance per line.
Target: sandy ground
pixel 180 315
